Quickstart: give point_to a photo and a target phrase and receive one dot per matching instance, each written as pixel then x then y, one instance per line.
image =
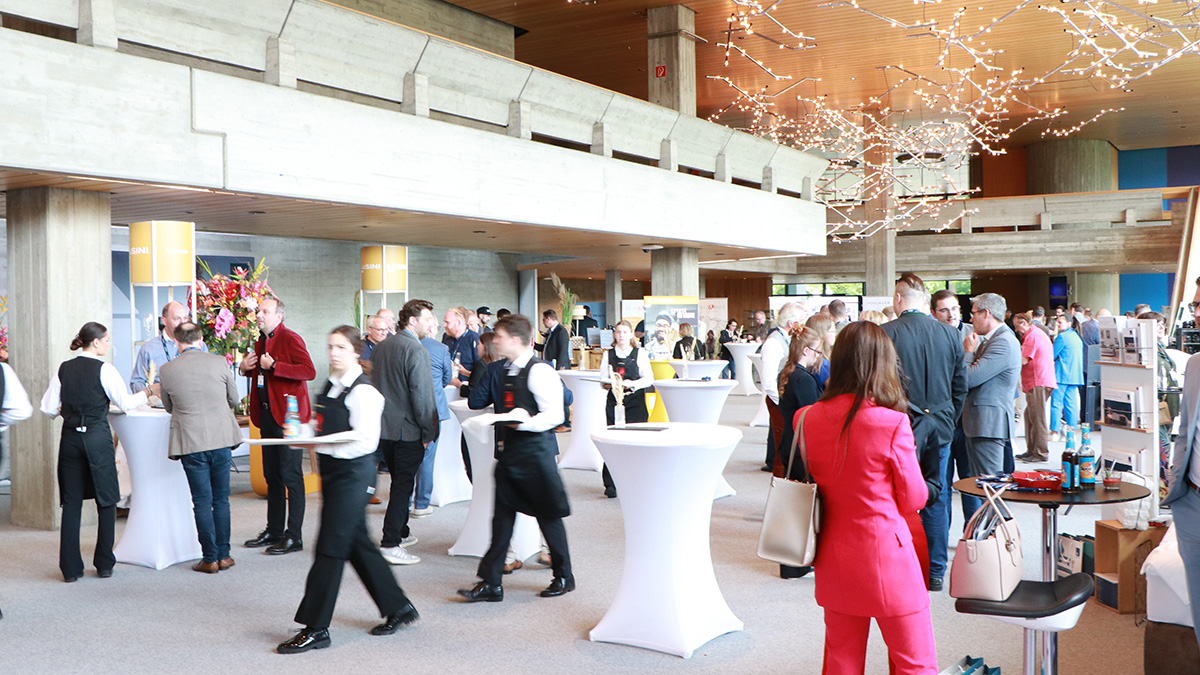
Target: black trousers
pixel 75 481
pixel 404 461
pixel 343 537
pixel 283 468
pixel 491 566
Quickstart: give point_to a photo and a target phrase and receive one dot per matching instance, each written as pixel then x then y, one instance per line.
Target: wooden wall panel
pixel 1004 175
pixel 745 295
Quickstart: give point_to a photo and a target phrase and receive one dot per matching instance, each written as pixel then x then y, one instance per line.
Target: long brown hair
pixel 801 337
pixel 356 343
pixel 488 353
pixel 865 364
pixel 822 323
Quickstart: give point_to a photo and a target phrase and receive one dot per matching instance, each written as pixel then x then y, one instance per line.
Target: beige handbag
pixel 793 515
pixel 988 560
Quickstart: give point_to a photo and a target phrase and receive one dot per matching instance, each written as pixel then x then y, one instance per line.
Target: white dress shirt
pixel 546 387
pixel 16 405
pixel 645 372
pixel 110 379
pixel 774 354
pixel 365 404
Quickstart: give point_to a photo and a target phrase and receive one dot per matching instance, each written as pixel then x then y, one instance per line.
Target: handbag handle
pixel 798 437
pixel 992 495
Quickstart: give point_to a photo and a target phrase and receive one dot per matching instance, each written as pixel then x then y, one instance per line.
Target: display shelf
pixel 1115 426
pixel 1124 365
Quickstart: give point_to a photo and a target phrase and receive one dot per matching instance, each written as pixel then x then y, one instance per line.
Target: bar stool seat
pixel 1050 606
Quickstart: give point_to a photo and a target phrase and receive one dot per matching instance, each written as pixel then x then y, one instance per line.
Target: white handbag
pixel 792 518
pixel 988 560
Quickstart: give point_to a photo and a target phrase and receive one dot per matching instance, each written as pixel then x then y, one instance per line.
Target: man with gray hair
pixel 774 352
pixel 993 373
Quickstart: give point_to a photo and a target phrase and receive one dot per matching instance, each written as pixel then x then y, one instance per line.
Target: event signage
pixel 161 252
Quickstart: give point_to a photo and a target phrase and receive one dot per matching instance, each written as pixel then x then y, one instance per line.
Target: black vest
pixel 515 393
pixel 84 402
pixel 626 367
pixel 332 414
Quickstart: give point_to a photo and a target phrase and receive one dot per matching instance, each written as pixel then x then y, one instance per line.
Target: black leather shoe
pixel 402 617
pixel 309 638
pixel 104 574
pixel 264 538
pixel 482 592
pixel 558 587
pixel 611 493
pixel 71 579
pixel 935 584
pixel 285 545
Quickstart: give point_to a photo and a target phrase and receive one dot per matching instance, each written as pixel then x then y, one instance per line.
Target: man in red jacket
pixel 279 366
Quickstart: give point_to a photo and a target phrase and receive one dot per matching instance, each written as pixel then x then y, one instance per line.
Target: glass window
pixel 813 289
pixel 935 286
pixel 961 286
pixel 779 289
pixel 844 289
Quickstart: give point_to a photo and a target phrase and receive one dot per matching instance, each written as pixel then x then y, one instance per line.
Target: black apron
pixel 635 402
pixel 85 424
pixel 344 482
pixel 527 479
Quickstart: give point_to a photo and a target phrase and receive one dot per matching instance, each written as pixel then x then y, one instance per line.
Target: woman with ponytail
pixel 81 391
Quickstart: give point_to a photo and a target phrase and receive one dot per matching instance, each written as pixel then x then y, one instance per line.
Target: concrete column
pixel 1070 165
pixel 60 267
pixel 675 271
pixel 703 287
pixel 1097 291
pixel 281 62
pixel 416 95
pixel 601 140
pixel 97 24
pixel 671 57
pixel 527 295
pixel 881 264
pixel 613 295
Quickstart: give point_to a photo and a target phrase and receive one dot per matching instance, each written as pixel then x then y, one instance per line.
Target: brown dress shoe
pixel 206 567
pixel 226 564
pixel 514 565
pixel 375 500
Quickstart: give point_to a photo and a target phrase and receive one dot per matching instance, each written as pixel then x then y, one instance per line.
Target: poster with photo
pixel 664 314
pixel 712 314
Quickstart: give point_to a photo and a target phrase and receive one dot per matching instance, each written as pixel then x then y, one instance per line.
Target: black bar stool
pixel 1040 607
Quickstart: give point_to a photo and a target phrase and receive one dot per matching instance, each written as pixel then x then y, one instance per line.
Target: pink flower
pixel 224 323
pixel 229 359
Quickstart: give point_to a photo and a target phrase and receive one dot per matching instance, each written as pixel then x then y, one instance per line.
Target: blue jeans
pixel 425 478
pixel 958 460
pixel 208 477
pixel 1064 401
pixel 936 520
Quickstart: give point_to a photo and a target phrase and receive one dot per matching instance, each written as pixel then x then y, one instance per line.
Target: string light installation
pixel 898 159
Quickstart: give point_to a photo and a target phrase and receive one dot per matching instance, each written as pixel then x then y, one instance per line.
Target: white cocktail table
pixel 741 365
pixel 587 415
pixel 450 482
pixel 476 535
pixel 161 529
pixel 700 402
pixel 668 599
pixel 698 370
pixel 762 418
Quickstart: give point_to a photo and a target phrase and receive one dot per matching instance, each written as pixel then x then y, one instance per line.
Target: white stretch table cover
pixel 741 365
pixel 476 534
pixel 762 417
pixel 587 415
pixel 450 482
pixel 668 599
pixel 161 529
pixel 699 402
pixel 698 370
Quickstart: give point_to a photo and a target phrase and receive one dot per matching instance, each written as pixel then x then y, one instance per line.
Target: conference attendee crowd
pixel 911 397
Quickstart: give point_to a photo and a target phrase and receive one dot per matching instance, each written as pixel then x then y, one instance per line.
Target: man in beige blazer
pixel 199 391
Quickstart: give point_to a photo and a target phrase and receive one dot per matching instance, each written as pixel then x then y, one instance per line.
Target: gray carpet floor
pixel 175 620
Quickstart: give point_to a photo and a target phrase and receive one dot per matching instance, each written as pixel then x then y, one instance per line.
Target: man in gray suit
pixel 1184 495
pixel 993 373
pixel 199 391
pixel 402 372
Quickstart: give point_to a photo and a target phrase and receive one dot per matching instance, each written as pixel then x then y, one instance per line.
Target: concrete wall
pixel 444 19
pixel 588 290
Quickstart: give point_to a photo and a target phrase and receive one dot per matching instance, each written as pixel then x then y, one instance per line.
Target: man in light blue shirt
pixel 160 349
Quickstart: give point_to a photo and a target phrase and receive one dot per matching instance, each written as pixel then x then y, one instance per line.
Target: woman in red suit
pixel 862 456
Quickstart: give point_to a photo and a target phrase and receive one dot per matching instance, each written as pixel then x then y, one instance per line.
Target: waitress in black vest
pixel 633 365
pixel 81 391
pixel 349 410
pixel 527 479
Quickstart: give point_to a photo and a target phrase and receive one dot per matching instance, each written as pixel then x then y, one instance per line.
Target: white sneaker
pixel 420 513
pixel 399 556
pixel 408 541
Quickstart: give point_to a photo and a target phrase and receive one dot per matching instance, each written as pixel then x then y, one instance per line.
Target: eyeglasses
pixel 1192 306
pixel 978 311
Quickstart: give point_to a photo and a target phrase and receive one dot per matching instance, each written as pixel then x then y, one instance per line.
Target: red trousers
pixel 909 639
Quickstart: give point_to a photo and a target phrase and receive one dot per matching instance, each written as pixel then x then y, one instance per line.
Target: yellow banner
pixel 160 252
pixel 376 259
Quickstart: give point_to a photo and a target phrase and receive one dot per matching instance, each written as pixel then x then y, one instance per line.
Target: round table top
pixel 679 362
pixel 595 372
pixel 695 384
pixel 140 411
pixel 672 434
pixel 1054 498
pixel 739 345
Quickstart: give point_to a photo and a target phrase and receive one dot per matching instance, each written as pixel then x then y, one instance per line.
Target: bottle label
pixel 1066 474
pixel 1087 473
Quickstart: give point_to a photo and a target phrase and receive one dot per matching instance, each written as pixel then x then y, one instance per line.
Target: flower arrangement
pixel 567 297
pixel 3 330
pixel 226 308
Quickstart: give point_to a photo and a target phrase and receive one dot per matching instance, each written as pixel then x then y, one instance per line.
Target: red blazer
pixel 293 367
pixel 869 481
